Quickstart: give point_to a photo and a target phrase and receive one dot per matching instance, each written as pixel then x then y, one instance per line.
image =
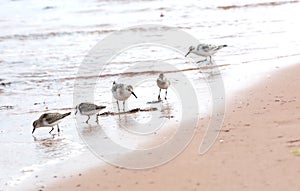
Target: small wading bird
pixel 162 83
pixel 49 120
pixel 205 50
pixel 88 109
pixel 122 92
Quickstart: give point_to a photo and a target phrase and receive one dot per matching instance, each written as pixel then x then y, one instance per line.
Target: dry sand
pixel 253 150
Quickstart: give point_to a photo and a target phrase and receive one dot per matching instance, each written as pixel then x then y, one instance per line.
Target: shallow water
pixel 43 43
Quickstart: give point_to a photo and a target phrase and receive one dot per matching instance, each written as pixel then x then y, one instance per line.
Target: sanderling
pixel 88 109
pixel 49 120
pixel 162 83
pixel 205 50
pixel 122 92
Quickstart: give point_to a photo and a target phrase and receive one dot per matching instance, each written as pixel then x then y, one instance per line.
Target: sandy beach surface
pixel 257 148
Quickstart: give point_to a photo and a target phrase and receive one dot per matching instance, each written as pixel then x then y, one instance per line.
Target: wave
pixel 257 5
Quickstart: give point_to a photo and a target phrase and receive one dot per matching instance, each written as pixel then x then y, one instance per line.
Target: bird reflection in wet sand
pixel 162 83
pixel 52 146
pixel 90 130
pixel 47 142
pixel 89 109
pixel 49 120
pixel 122 92
pixel 166 111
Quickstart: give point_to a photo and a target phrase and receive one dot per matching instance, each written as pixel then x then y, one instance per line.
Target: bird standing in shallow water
pixel 162 83
pixel 49 120
pixel 122 92
pixel 205 50
pixel 88 109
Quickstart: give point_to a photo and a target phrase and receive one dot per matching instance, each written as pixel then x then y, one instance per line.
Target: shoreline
pixel 254 150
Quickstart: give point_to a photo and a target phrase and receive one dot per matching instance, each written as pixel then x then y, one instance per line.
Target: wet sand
pixel 254 150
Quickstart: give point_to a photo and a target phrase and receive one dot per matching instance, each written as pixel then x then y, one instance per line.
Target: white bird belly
pixel 201 52
pixel 91 112
pixel 162 84
pixel 46 124
pixel 121 95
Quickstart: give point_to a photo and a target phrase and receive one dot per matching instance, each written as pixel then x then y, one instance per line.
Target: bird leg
pixel 166 94
pixel 210 59
pixel 51 130
pixel 123 105
pixel 76 109
pixel 87 121
pixel 58 130
pixel 159 95
pixel 118 106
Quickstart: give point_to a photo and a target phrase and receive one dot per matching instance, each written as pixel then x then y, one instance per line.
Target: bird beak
pixel 33 130
pixel 187 53
pixel 134 94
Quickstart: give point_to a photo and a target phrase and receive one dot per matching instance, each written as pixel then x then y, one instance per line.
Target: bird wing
pixel 207 47
pixel 204 47
pixel 87 105
pixel 163 82
pixel 43 116
pixel 53 117
pixel 114 88
pixel 219 47
pixel 100 107
pixel 117 86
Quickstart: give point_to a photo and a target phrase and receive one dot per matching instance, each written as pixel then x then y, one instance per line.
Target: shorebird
pixel 122 92
pixel 88 109
pixel 205 50
pixel 162 83
pixel 49 120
